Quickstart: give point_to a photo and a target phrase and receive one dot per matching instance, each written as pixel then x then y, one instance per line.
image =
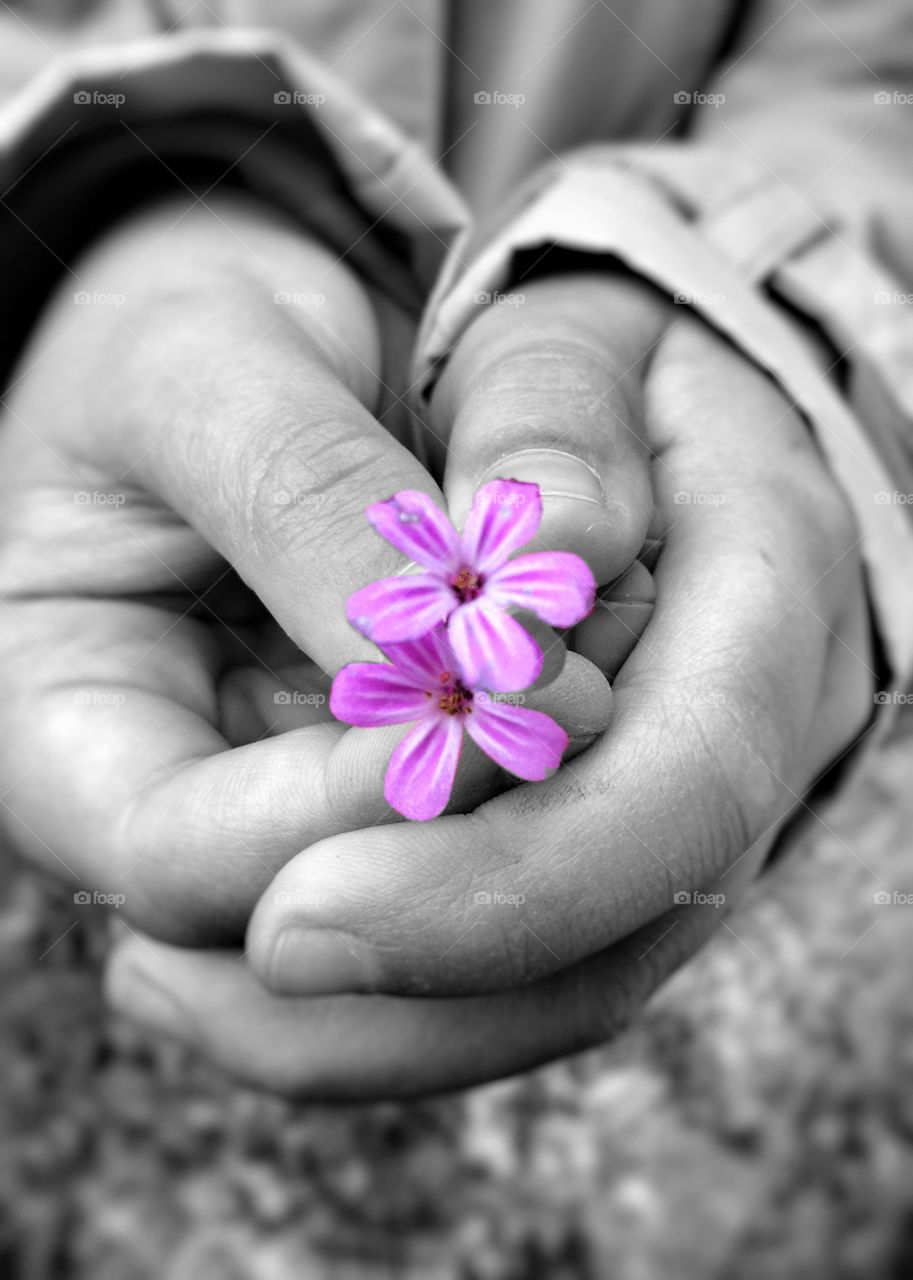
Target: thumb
pixel 549 392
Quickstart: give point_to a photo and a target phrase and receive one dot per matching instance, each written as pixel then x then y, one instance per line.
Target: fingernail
pixel 319 962
pixel 558 474
pixel 134 993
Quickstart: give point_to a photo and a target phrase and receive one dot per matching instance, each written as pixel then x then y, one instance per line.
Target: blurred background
pixel 756 1123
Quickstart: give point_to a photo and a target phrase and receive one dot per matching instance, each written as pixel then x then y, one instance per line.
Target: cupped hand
pixel 412 958
pixel 187 454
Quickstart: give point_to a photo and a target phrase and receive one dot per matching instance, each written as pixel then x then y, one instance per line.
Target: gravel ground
pixel 757 1122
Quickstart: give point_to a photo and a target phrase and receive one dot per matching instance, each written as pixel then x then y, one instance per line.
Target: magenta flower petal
pixel 493 650
pixel 428 659
pixel 412 523
pixel 527 743
pixel 556 585
pixel 421 771
pixel 505 516
pixel 369 694
pixel 400 608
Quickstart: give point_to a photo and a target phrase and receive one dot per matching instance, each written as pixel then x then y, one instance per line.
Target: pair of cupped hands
pixel 185 465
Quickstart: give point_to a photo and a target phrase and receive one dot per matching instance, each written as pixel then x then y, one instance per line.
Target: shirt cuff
pixel 606 209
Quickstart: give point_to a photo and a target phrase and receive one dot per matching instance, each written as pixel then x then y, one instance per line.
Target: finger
pixel 550 392
pixel 706 752
pixel 620 617
pixel 348 1048
pixel 250 419
pixel 120 777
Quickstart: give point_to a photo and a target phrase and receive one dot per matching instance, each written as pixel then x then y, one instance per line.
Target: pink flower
pixel 424 683
pixel 470 581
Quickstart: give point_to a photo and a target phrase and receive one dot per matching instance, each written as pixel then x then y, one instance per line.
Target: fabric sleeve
pixel 89 139
pixel 782 208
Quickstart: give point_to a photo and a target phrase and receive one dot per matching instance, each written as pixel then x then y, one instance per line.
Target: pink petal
pixel 425 660
pixel 400 608
pixel 505 516
pixel 417 527
pixel 556 585
pixel 492 649
pixel 422 768
pixel 526 743
pixel 368 694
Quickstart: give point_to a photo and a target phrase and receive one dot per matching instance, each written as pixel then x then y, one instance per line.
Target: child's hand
pixel 551 909
pixel 189 415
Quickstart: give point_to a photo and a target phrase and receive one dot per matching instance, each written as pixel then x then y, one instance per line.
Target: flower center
pixel 467 584
pixel 455 700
